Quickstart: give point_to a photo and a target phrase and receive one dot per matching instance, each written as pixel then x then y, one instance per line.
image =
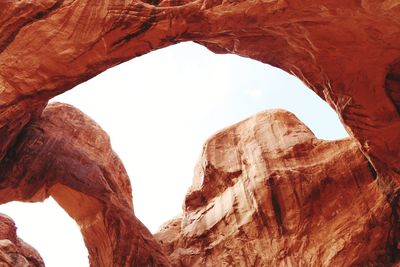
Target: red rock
pixel 14 252
pixel 348 52
pixel 66 155
pixel 266 192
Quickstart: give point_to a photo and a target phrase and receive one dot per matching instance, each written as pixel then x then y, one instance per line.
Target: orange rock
pixel 14 252
pixel 266 192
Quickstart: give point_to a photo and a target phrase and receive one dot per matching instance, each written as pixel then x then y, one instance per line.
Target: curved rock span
pixel 348 52
pixel 64 154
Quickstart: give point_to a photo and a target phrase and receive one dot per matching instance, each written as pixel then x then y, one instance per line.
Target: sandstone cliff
pixel 14 252
pixel 266 192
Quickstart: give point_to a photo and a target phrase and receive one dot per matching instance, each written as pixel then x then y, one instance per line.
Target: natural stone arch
pixel 324 44
pixel 307 38
pixel 64 154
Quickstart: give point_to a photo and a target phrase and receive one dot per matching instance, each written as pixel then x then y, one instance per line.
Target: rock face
pixel 348 52
pixel 266 192
pixel 14 252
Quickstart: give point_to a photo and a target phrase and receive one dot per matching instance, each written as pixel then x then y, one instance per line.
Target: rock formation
pixel 14 252
pixel 266 192
pixel 66 155
pixel 348 52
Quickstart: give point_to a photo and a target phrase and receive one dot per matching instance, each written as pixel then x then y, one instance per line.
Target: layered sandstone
pixel 266 192
pixel 14 252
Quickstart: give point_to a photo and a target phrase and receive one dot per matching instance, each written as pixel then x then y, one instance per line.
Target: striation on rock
pixel 14 252
pixel 266 192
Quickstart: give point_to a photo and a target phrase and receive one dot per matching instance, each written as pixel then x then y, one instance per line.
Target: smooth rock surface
pixel 266 192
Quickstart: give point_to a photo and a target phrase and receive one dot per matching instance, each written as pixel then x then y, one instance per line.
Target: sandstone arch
pixel 340 49
pixel 66 155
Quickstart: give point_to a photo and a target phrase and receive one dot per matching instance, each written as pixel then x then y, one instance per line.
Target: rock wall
pixel 266 192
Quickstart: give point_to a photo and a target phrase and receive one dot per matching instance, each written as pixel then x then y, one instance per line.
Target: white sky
pixel 158 110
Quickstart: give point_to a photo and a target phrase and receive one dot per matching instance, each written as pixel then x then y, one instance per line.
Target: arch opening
pixel 168 102
pixel 50 230
pixel 173 103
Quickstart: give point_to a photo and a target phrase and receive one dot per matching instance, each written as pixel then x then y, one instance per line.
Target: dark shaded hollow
pixel 392 84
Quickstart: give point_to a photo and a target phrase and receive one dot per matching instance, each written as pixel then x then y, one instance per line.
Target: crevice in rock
pixel 372 170
pixel 276 206
pixel 144 27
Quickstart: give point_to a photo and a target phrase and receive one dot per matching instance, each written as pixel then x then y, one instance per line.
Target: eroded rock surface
pixel 14 252
pixel 266 192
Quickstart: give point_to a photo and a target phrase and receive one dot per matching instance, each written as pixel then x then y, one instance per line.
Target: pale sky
pixel 158 110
